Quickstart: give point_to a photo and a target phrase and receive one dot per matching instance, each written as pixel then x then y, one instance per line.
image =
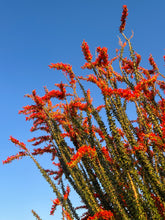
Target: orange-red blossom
pixel 84 150
pixel 123 18
pixel 103 214
pixel 86 51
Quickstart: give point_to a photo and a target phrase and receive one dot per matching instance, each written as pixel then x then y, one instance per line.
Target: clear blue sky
pixel 35 33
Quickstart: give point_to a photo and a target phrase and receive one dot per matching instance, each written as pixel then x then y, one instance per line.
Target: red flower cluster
pixel 83 150
pixel 101 60
pixel 138 59
pixel 103 214
pixel 41 139
pixel 106 154
pixel 128 66
pixel 18 143
pixel 162 85
pixel 66 193
pixel 17 156
pixel 61 66
pixel 86 51
pixel 123 18
pixel 152 62
pixel 55 94
pixel 20 154
pixel 57 202
pixel 66 68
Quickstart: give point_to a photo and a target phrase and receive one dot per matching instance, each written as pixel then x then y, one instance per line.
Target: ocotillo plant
pixel 116 165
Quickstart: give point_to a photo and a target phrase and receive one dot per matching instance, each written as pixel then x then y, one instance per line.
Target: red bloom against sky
pixel 36 34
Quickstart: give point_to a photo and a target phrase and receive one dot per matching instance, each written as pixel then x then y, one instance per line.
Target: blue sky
pixel 36 33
